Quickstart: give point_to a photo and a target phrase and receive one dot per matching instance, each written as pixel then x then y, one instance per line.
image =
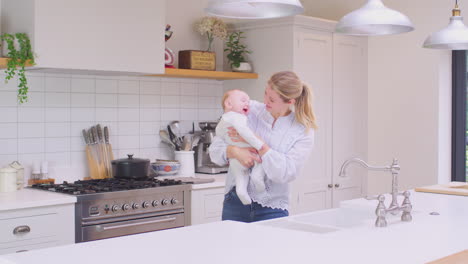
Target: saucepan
pixel 130 168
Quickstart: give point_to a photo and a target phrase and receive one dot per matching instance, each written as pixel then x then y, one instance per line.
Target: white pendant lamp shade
pixel 254 9
pixel 374 19
pixel 453 37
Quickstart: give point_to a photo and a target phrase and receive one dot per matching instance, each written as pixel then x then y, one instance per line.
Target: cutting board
pixel 453 188
pixel 457 258
pixel 193 180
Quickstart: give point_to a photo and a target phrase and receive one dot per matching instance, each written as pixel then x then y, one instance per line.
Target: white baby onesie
pixel 241 173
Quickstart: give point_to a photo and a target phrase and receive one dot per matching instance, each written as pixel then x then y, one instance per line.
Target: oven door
pixel 128 227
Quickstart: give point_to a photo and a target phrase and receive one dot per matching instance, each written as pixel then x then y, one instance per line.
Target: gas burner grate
pixel 105 185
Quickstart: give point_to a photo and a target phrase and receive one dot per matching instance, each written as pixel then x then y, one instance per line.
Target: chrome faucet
pixel 394 208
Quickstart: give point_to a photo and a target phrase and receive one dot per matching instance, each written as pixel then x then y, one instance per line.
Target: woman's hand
pixel 246 156
pixel 235 137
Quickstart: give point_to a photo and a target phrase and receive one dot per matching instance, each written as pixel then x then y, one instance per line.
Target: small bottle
pixel 36 171
pixel 45 170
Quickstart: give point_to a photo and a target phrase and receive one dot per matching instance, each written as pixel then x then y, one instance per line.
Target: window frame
pixel 459 98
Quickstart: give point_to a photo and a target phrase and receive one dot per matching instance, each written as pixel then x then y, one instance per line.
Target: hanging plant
pixel 17 62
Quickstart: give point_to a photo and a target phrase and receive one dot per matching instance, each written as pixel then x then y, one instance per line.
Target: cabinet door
pixel 207 205
pixel 104 35
pixel 349 115
pixel 313 63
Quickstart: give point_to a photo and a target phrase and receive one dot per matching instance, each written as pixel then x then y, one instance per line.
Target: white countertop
pixel 424 239
pixel 29 198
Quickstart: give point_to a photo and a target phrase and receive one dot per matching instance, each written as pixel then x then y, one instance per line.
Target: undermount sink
pixel 286 223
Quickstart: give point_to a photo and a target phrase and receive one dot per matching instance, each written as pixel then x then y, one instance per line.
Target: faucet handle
pixel 381 212
pixel 407 207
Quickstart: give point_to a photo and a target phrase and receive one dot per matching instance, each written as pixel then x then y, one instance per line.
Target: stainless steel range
pixel 116 207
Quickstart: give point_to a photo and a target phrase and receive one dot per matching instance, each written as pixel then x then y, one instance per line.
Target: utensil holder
pixel 187 163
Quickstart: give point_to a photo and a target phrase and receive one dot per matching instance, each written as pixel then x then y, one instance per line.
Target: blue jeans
pixel 233 209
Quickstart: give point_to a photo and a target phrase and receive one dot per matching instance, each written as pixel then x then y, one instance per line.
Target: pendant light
pixel 374 19
pixel 453 37
pixel 254 9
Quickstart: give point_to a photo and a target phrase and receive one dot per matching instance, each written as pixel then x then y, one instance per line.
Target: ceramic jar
pixel 7 180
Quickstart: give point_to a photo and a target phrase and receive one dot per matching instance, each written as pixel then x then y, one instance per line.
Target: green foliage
pixel 17 62
pixel 235 49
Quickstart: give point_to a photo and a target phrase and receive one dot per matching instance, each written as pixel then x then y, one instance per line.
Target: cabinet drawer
pixel 28 247
pixel 27 228
pixel 214 204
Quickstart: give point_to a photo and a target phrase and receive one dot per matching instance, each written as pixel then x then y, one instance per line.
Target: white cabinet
pixel 104 35
pixel 40 227
pixel 207 205
pixel 335 66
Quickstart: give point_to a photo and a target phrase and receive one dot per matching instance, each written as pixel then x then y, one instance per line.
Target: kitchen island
pixel 438 229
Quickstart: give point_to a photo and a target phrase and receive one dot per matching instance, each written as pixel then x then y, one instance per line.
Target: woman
pixel 288 140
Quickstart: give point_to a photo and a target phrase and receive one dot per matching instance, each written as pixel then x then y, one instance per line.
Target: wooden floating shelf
pixel 216 75
pixel 4 61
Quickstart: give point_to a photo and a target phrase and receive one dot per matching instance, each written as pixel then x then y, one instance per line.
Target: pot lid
pixel 130 160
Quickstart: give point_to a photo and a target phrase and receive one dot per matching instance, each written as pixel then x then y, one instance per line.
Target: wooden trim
pixel 216 75
pixel 4 61
pixel 457 258
pixel 459 97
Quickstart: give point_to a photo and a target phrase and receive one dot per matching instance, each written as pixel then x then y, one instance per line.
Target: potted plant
pixel 236 52
pixel 19 51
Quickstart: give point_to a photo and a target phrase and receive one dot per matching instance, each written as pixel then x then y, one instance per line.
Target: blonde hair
pixel 288 85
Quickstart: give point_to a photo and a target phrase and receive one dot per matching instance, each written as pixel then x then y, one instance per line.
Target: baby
pixel 236 107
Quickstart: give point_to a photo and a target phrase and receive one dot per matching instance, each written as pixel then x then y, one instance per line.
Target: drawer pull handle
pixel 21 230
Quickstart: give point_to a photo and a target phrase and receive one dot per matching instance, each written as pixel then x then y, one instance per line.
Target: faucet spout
pixel 363 164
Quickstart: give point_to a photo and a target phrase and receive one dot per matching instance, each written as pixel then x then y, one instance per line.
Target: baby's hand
pixel 235 137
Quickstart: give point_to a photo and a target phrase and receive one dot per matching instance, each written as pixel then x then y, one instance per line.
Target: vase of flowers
pixel 212 27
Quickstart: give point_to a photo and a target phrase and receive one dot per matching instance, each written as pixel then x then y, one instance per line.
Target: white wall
pixel 409 94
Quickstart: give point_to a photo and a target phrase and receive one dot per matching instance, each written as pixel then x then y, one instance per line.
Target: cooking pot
pixel 130 168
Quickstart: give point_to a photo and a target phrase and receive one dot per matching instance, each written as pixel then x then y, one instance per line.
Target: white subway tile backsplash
pixel 49 126
pixel 31 130
pixel 57 84
pixel 188 89
pixel 8 98
pixel 188 114
pixel 106 86
pixel 7 159
pixel 79 85
pixel 170 101
pixel 170 114
pixel 83 100
pixel 128 128
pixel 57 115
pixel 57 144
pixel 57 99
pixel 129 142
pixel 27 160
pixel 129 114
pixel 188 102
pixel 36 83
pixel 35 99
pixel 150 115
pixel 150 87
pixel 106 100
pixel 129 100
pixel 149 128
pixel 8 130
pixel 31 114
pixel 128 87
pixel 170 88
pixel 11 85
pixel 8 146
pixel 9 114
pixel 150 101
pixel 83 114
pixel 57 129
pixel 31 145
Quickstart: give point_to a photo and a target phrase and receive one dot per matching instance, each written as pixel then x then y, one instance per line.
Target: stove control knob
pixel 155 203
pixel 125 207
pixel 145 204
pixel 135 206
pixel 165 202
pixel 115 208
pixel 174 201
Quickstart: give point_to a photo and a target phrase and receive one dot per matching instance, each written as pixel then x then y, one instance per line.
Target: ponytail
pixel 303 108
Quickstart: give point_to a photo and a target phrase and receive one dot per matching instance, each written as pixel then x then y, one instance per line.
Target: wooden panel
pixel 453 188
pixel 216 75
pixel 457 258
pixel 4 61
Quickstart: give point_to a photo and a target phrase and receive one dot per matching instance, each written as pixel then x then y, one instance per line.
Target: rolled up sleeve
pixel 217 151
pixel 284 167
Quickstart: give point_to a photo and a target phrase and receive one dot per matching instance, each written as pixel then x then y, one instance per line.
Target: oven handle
pixel 103 228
